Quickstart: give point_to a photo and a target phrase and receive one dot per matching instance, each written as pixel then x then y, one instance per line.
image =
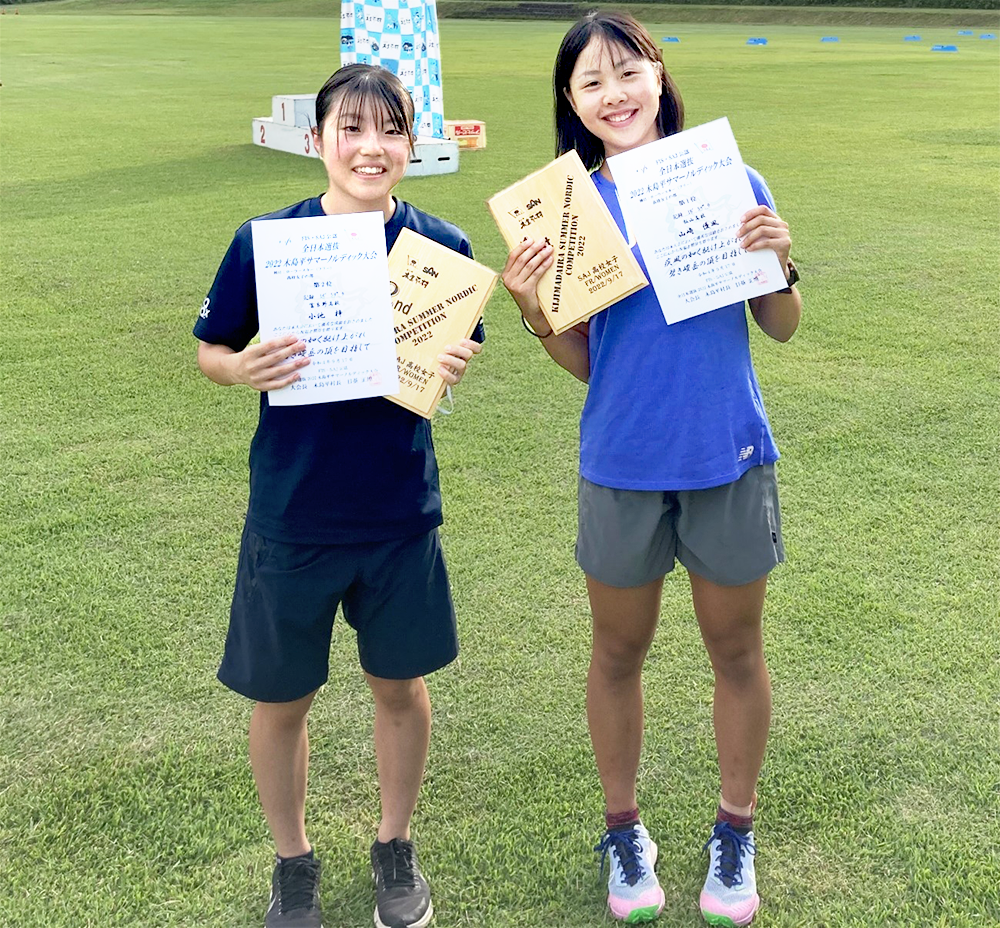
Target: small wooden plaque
pixel 593 266
pixel 437 297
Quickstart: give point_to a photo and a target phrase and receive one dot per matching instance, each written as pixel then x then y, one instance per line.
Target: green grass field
pixel 125 793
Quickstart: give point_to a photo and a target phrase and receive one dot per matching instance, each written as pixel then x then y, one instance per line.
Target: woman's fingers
pixel 524 262
pixel 455 359
pixel 761 223
pixel 274 364
pixel 760 228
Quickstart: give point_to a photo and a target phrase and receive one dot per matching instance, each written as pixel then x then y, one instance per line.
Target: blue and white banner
pixel 402 37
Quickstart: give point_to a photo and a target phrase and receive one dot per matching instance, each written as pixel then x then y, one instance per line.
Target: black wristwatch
pixel 793 277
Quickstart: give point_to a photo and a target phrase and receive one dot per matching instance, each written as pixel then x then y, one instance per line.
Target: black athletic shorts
pixel 394 594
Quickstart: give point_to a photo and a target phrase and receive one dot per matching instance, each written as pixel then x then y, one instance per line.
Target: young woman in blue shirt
pixel 676 463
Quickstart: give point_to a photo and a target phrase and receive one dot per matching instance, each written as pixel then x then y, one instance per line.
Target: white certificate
pixel 325 279
pixel 682 197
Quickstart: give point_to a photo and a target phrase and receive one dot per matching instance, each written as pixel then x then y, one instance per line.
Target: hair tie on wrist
pixel 528 328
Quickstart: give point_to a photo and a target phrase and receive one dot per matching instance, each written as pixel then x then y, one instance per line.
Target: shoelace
pixel 626 845
pixel 396 863
pixel 297 884
pixel 732 846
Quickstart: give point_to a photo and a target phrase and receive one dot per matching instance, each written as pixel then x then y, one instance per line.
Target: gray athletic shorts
pixel 729 535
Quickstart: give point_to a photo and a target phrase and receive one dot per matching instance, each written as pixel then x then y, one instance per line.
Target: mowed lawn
pixel 125 793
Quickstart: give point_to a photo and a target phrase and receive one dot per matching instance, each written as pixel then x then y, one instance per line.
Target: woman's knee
pixel 624 623
pixel 398 695
pixel 284 714
pixel 618 659
pixel 737 661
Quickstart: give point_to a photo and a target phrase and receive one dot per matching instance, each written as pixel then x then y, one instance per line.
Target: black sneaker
pixel 402 896
pixel 295 895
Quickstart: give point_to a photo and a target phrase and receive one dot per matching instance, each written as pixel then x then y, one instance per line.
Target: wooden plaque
pixel 593 266
pixel 438 297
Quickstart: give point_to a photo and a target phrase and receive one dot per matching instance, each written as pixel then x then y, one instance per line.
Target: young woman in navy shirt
pixel 344 512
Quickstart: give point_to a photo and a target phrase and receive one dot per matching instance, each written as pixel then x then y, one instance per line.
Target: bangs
pixel 616 52
pixel 620 43
pixel 375 103
pixel 367 91
pixel 619 35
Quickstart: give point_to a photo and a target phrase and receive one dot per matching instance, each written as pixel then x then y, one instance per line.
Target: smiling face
pixel 616 95
pixel 365 153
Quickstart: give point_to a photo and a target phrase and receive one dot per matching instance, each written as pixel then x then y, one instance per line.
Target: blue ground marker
pixel 944 48
pixel 830 38
pixel 670 38
pixel 758 41
pixel 988 35
pixel 965 32
pixel 911 38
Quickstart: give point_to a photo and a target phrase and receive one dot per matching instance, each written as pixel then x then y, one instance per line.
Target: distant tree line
pixel 862 4
pixel 540 5
pixel 866 4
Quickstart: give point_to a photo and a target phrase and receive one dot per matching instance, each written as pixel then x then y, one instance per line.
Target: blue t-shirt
pixel 671 407
pixel 330 473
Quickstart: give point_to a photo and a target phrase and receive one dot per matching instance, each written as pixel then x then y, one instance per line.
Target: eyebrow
pixel 380 119
pixel 620 64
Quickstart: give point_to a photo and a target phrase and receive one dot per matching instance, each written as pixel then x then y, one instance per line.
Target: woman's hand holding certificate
pixel 685 198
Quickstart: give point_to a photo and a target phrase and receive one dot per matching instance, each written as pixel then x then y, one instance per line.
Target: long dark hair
pixel 614 29
pixel 365 88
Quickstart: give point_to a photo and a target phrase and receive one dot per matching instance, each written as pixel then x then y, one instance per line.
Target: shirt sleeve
pixel 760 189
pixel 229 314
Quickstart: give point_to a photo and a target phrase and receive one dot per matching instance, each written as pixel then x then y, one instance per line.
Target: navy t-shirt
pixel 330 473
